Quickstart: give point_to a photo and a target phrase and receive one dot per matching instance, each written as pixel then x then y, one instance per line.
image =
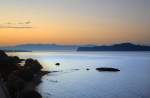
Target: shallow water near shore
pixel 73 80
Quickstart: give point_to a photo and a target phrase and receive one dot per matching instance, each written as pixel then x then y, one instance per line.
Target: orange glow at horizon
pixel 75 22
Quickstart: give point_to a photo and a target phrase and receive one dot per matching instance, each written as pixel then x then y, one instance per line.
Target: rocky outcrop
pixel 34 65
pixel 107 69
pixel 8 64
pixel 57 64
pixel 17 77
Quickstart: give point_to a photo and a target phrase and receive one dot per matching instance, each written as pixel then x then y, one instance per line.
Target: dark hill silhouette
pixel 17 78
pixel 8 64
pixel 39 47
pixel 116 47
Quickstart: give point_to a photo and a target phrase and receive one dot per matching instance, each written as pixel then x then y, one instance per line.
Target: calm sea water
pixel 74 81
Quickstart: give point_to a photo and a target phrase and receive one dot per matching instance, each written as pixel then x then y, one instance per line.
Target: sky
pixel 74 21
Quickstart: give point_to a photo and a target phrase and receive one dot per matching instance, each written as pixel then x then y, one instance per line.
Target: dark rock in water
pixel 30 94
pixel 107 69
pixel 87 69
pixel 54 81
pixel 53 71
pixel 57 64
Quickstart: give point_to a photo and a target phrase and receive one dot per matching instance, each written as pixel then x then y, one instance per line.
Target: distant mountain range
pixel 54 47
pixel 116 47
pixel 40 47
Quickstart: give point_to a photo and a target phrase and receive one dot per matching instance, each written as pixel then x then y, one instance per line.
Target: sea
pixel 71 79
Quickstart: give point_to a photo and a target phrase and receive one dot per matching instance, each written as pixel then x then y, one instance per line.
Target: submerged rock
pixel 75 69
pixel 87 69
pixel 54 71
pixel 107 69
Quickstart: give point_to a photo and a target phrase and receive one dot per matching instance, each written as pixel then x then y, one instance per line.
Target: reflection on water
pixel 74 81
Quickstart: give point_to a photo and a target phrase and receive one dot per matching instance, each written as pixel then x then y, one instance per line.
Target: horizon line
pixel 72 44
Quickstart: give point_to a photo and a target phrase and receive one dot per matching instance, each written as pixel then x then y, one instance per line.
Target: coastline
pixel 18 80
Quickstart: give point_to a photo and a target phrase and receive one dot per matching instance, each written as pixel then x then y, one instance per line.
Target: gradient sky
pixel 74 21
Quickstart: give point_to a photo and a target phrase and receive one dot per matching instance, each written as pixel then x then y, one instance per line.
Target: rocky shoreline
pixel 20 81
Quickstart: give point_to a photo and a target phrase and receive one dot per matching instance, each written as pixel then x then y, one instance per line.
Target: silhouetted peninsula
pixel 16 78
pixel 116 47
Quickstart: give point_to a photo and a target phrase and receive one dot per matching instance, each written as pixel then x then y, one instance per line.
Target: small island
pixel 107 69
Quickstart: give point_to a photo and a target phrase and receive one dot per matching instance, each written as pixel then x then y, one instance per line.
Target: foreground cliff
pixel 16 78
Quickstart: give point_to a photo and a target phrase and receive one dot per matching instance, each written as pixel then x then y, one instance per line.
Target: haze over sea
pixel 74 81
